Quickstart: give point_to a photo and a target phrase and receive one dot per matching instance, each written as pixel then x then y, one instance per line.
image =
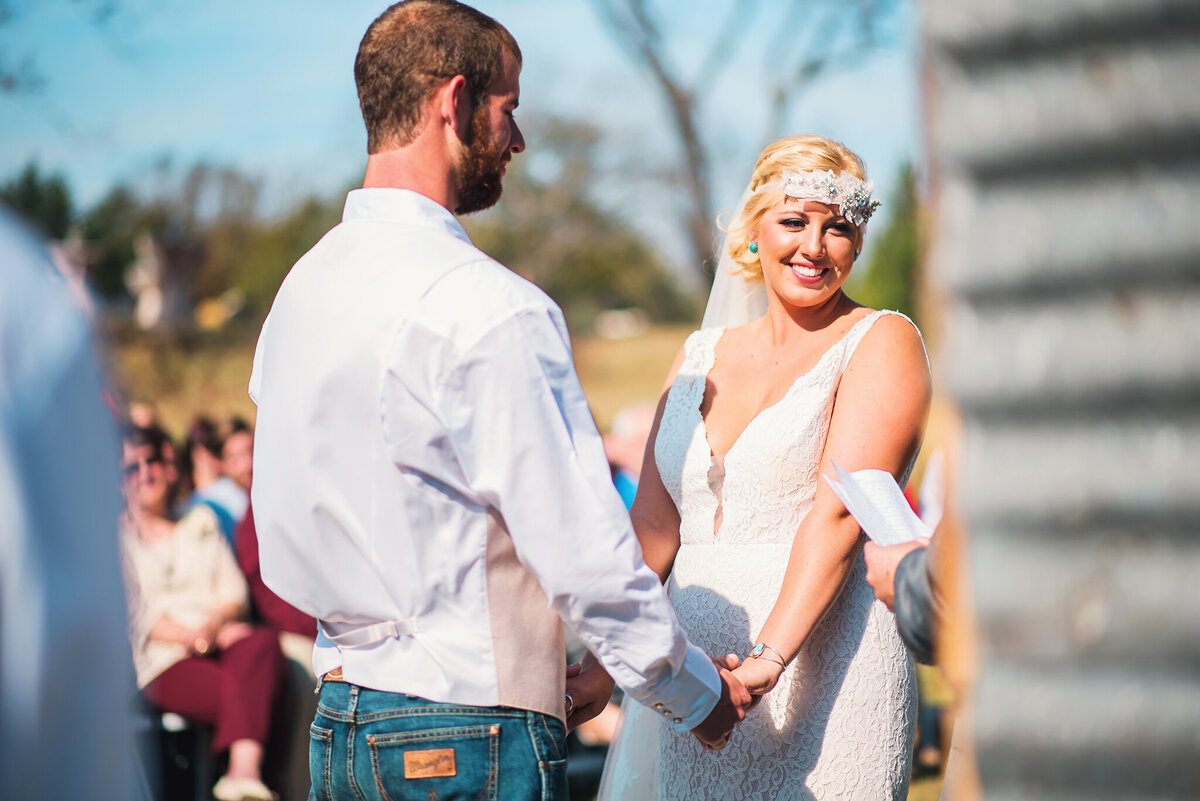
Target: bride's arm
pixel 655 518
pixel 878 421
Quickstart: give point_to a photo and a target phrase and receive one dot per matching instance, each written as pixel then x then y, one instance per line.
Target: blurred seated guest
pixel 237 456
pixel 204 472
pixel 625 445
pixel 297 634
pixel 143 415
pixel 193 652
pixel 269 607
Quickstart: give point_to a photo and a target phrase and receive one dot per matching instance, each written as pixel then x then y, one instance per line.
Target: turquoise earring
pixel 753 247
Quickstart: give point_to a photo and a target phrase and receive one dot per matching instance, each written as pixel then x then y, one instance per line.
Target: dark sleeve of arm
pixel 918 605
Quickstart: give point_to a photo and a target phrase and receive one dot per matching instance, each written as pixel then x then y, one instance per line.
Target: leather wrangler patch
pixel 431 764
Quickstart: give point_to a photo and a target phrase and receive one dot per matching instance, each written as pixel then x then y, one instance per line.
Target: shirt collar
pixel 401 205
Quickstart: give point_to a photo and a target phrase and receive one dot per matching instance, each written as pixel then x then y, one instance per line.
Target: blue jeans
pixel 368 745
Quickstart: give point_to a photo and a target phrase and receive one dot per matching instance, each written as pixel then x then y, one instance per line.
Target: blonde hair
pixel 802 153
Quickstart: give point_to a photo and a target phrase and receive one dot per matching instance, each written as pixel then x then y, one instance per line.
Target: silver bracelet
pixel 757 653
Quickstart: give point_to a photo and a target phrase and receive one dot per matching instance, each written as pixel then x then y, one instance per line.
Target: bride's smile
pixel 806 249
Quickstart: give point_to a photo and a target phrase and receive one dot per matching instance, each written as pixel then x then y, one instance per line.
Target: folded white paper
pixel 875 501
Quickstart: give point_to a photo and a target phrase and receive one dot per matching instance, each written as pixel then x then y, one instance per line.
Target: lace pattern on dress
pixel 839 725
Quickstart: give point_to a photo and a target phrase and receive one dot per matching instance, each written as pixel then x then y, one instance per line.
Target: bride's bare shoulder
pixel 892 352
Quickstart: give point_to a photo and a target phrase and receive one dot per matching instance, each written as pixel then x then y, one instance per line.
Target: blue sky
pixel 267 86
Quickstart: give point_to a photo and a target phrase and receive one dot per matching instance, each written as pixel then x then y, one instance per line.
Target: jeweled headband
pixel 851 195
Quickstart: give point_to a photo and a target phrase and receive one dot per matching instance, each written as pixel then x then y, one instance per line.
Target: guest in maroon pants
pixel 297 631
pixel 193 651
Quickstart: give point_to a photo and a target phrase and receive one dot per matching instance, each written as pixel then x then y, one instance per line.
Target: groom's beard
pixel 479 167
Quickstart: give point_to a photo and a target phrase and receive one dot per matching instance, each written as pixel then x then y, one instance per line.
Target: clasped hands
pixel 213 635
pixel 742 685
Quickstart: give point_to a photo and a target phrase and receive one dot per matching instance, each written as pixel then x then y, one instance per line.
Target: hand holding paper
pixel 875 501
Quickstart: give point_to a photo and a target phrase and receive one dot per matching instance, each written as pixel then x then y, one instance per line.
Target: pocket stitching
pixel 326 736
pixel 459 733
pixel 560 756
pixel 392 738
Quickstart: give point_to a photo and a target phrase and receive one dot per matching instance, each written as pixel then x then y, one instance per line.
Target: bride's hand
pixel 759 675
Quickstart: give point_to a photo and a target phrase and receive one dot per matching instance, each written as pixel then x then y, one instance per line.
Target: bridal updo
pixel 802 153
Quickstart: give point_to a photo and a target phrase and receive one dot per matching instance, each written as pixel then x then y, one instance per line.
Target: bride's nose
pixel 812 244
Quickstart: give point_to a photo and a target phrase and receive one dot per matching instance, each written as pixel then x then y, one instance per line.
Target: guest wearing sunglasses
pixel 193 651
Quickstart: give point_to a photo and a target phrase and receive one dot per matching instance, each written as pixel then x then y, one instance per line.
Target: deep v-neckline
pixel 712 456
pixel 717 468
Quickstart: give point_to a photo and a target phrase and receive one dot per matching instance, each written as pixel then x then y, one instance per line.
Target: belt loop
pixel 352 706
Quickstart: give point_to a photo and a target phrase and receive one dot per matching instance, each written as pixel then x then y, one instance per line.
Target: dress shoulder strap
pixel 700 351
pixel 859 330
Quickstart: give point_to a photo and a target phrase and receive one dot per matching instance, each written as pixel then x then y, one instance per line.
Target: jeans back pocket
pixel 320 762
pixel 460 762
pixel 549 737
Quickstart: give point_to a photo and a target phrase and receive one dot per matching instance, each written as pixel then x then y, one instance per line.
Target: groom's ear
pixel 454 107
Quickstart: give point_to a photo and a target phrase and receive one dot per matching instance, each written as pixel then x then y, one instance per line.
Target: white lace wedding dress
pixel 839 724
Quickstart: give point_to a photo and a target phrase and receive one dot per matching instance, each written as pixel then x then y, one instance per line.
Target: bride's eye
pixel 792 223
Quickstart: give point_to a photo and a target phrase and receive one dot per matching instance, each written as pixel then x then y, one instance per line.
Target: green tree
pixel 43 201
pixel 273 247
pixel 890 278
pixel 548 229
pixel 110 227
pixel 205 220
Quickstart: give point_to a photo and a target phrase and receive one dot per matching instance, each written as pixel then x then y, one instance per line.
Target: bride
pixel 787 377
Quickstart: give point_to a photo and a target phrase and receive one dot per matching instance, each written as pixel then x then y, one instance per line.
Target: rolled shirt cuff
pixel 691 695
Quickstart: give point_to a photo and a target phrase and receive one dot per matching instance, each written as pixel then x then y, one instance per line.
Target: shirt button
pixel 658 706
pixel 679 720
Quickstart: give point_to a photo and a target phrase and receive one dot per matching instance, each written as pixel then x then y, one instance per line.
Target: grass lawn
pixel 926 789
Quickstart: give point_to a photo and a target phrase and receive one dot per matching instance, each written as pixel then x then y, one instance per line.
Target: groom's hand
pixel 730 709
pixel 589 687
pixel 882 561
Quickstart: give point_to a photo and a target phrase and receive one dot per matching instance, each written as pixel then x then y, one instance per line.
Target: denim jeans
pixel 368 745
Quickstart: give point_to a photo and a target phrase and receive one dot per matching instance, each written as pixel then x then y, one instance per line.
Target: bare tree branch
pixel 719 55
pixel 637 31
pixel 804 42
pixel 23 78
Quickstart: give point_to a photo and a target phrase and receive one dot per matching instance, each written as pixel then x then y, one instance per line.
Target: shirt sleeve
pixel 917 605
pixel 519 427
pixel 254 387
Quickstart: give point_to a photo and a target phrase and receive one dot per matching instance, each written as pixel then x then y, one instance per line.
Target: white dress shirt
pixel 414 395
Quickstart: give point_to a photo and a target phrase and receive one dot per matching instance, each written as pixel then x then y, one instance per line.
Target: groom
pixel 429 483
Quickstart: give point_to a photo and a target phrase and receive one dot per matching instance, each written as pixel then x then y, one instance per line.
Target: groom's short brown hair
pixel 410 50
